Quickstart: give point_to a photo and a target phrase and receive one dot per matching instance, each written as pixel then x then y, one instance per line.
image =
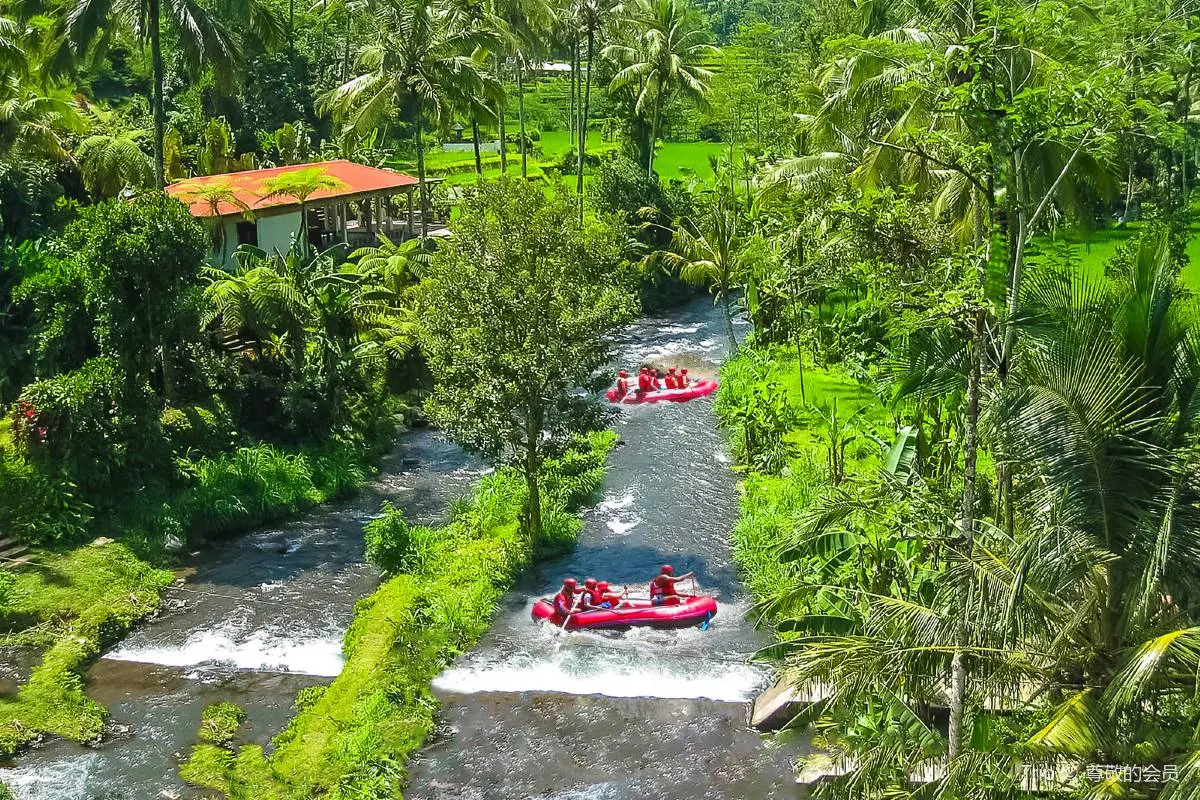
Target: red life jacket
pixel 643 382
pixel 622 387
pixel 563 604
pixel 662 585
pixel 681 381
pixel 672 381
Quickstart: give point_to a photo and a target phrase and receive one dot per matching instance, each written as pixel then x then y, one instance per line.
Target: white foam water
pixel 622 525
pixel 63 780
pixel 259 651
pixel 573 671
pixel 615 502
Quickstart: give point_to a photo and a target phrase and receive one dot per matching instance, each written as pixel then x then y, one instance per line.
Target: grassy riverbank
pixel 352 738
pixel 790 466
pixel 72 603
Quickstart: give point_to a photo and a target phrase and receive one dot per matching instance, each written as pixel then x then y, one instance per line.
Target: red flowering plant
pixel 28 427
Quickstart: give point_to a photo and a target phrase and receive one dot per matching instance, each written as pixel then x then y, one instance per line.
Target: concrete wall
pixel 275 232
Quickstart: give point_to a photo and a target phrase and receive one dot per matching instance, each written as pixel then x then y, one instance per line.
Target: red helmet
pixel 645 369
pixel 672 369
pixel 621 373
pixel 667 569
pixel 569 582
pixel 590 583
pixel 683 370
pixel 655 370
pixel 602 586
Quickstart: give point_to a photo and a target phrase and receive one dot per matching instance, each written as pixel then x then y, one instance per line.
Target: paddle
pixel 571 613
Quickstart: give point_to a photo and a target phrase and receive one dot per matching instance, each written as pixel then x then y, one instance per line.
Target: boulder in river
pixel 775 707
pixel 698 366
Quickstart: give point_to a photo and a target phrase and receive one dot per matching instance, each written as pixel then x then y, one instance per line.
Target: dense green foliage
pixel 351 739
pixel 521 306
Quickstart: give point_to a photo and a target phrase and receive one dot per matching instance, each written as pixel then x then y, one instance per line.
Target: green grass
pixel 351 739
pixel 676 160
pixel 75 604
pixel 1094 249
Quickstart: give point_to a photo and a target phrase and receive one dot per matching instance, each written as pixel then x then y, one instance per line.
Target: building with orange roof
pixel 369 203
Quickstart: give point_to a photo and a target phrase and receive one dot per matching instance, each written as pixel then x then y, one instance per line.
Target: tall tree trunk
pixel 475 142
pixel 573 90
pixel 291 32
pixel 1128 195
pixel 419 140
pixel 156 100
pixel 521 115
pixel 346 46
pixel 958 669
pixel 654 123
pixel 583 122
pixel 733 345
pixel 502 112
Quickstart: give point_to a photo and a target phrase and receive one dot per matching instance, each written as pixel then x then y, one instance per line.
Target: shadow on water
pixel 539 713
pixel 260 617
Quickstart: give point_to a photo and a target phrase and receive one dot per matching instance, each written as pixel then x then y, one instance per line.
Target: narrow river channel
pixel 533 713
pixel 260 617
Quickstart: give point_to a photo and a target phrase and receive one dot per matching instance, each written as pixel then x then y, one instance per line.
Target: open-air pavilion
pixel 371 202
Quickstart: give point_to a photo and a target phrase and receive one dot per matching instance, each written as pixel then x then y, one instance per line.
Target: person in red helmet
pixel 564 601
pixel 682 380
pixel 622 383
pixel 671 381
pixel 591 598
pixel 662 588
pixel 644 381
pixel 607 599
pixel 655 383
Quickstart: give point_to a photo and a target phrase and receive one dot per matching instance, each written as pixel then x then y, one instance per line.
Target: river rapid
pixel 536 713
pixel 529 712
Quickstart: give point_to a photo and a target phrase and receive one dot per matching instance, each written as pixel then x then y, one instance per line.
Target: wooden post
pixel 345 223
pixel 410 212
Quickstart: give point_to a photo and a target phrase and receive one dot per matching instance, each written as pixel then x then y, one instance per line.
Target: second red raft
pixel 633 613
pixel 697 389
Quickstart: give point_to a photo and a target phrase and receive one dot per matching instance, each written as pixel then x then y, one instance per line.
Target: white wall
pixel 275 232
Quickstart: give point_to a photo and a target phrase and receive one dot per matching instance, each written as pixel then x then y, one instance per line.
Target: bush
pixel 92 426
pixel 199 430
pixel 39 508
pixel 219 723
pixel 388 540
pixel 29 199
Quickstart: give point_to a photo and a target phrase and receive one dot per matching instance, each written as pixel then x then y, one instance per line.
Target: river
pixel 535 713
pixel 528 713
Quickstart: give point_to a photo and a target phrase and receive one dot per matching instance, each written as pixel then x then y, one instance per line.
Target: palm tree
pixel 524 27
pixel 113 162
pixel 202 36
pixel 33 120
pixel 712 251
pixel 669 42
pixel 213 195
pixel 592 15
pixel 299 185
pixel 427 59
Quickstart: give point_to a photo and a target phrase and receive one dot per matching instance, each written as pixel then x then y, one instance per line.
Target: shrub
pixel 91 425
pixel 219 723
pixel 199 430
pixel 40 508
pixel 388 540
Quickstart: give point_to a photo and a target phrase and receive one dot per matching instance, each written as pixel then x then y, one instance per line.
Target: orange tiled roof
pixel 359 179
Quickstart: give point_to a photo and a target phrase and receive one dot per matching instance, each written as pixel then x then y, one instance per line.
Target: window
pixel 247 233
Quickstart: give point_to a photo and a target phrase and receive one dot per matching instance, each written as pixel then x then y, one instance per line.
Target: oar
pixel 571 613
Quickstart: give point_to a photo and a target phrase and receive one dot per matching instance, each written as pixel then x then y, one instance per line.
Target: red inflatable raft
pixel 632 613
pixel 697 389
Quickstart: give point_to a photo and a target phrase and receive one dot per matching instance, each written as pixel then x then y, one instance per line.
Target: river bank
pixel 520 710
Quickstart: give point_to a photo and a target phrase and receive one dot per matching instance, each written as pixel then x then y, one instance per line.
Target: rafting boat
pixel 700 388
pixel 691 611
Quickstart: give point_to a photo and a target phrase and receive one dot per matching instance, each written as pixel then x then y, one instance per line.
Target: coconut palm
pixel 592 14
pixel 713 250
pixel 668 43
pixel 427 58
pixel 526 28
pixel 299 185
